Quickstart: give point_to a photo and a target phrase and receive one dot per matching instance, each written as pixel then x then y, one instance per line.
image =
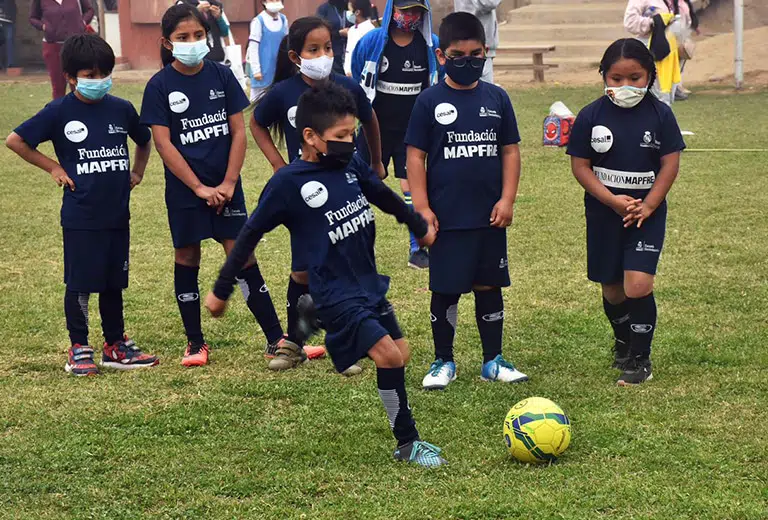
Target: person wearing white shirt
pixel 268 29
pixel 364 15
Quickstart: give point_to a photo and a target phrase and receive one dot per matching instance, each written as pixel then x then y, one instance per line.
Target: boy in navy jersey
pixel 625 151
pixel 89 130
pixel 323 198
pixel 465 130
pixel 195 109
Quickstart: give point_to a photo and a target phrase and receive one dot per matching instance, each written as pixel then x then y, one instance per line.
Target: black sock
pixel 111 310
pixel 188 299
pixel 444 311
pixel 295 291
pixel 618 315
pixel 391 382
pixel 256 294
pixel 76 314
pixel 642 314
pixel 489 313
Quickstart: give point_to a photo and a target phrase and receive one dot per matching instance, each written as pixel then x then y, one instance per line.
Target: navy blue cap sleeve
pixel 420 124
pixel 509 133
pixel 580 144
pixel 671 138
pixel 154 105
pixel 40 127
pixel 236 98
pixel 267 111
pixel 138 132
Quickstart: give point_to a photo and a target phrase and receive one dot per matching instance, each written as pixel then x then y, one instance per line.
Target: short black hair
pixel 458 27
pixel 322 106
pixel 85 52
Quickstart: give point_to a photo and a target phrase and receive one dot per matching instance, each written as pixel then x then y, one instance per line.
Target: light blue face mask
pixel 190 53
pixel 94 89
pixel 351 18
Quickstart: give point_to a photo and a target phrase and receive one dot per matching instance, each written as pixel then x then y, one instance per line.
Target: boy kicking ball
pixel 89 129
pixel 463 169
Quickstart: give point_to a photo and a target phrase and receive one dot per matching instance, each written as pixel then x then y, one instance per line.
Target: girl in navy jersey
pixel 194 107
pixel 625 151
pixel 305 59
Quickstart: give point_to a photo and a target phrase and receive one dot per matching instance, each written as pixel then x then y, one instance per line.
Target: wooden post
pixel 538 66
pixel 102 23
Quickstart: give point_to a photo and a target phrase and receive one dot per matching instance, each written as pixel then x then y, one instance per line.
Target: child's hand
pixel 214 305
pixel 227 190
pixel 428 239
pixel 258 76
pixel 623 204
pixel 380 170
pixel 638 213
pixel 501 216
pixel 136 179
pixel 209 195
pixel 431 219
pixel 61 178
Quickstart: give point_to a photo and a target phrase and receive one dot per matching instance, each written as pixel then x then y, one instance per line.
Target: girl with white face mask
pixel 305 60
pixel 267 31
pixel 625 151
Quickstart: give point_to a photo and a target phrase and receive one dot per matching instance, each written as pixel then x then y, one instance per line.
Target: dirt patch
pixel 718 17
pixel 714 58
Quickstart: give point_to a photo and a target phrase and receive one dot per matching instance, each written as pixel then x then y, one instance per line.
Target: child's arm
pixel 417 180
pixel 501 215
pixel 254 40
pixel 236 156
pixel 34 157
pixel 140 160
pixel 670 167
pixel 266 144
pixel 582 170
pixel 175 162
pixel 372 133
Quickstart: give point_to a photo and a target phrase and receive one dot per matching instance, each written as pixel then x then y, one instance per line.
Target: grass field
pixel 233 440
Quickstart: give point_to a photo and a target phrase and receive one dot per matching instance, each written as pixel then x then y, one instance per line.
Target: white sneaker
pixel 499 369
pixel 440 374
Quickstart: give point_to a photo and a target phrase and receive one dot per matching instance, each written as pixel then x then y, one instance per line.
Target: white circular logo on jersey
pixel 178 101
pixel 602 139
pixel 292 116
pixel 315 194
pixel 445 113
pixel 76 131
pixel 384 65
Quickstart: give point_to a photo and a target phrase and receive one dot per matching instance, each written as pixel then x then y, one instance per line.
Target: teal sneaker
pixel 499 369
pixel 421 453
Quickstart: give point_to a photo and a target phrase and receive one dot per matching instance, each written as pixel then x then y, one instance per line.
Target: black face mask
pixel 465 70
pixel 337 156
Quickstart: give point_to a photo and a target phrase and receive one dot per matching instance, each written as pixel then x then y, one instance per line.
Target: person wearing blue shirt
pixel 334 12
pixel 625 151
pixel 195 108
pixel 304 61
pixel 464 131
pixel 393 64
pixel 89 130
pixel 268 29
pixel 324 199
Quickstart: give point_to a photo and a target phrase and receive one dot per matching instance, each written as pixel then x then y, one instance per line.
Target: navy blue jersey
pixel 403 74
pixel 330 215
pixel 625 145
pixel 91 144
pixel 196 110
pixel 280 103
pixel 463 133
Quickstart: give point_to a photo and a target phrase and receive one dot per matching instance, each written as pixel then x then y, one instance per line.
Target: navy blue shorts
pixel 392 150
pixel 613 249
pixel 96 260
pixel 299 254
pixel 461 259
pixel 190 226
pixel 350 334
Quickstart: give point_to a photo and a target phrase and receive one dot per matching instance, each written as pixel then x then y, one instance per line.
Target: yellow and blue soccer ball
pixel 536 431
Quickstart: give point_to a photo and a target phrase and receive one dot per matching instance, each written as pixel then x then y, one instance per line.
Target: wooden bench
pixel 537 52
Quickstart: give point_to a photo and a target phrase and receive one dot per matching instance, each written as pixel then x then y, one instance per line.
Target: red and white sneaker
pixel 196 355
pixel 126 355
pixel 80 361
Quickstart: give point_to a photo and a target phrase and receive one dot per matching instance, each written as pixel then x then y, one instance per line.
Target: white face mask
pixel 626 96
pixel 273 7
pixel 316 68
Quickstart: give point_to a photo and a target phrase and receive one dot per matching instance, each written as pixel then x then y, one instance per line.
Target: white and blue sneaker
pixel 499 369
pixel 421 453
pixel 440 374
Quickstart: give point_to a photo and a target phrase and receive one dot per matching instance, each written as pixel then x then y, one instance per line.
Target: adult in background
pixel 58 19
pixel 485 11
pixel 7 22
pixel 268 29
pixel 335 13
pixel 212 11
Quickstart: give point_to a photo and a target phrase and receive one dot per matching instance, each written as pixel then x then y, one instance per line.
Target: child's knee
pixel 614 293
pixel 189 256
pixel 386 354
pixel 638 287
pixel 300 277
pixel 405 350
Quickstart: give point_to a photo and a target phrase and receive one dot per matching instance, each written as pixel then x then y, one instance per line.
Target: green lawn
pixel 233 440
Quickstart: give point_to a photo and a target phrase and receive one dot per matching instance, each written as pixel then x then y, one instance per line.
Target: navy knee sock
pixel 642 315
pixel 489 313
pixel 295 291
pixel 111 310
pixel 76 314
pixel 259 302
pixel 391 383
pixel 443 314
pixel 188 299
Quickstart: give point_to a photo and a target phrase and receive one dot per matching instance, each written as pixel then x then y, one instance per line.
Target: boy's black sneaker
pixel 637 371
pixel 419 259
pixel 620 354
